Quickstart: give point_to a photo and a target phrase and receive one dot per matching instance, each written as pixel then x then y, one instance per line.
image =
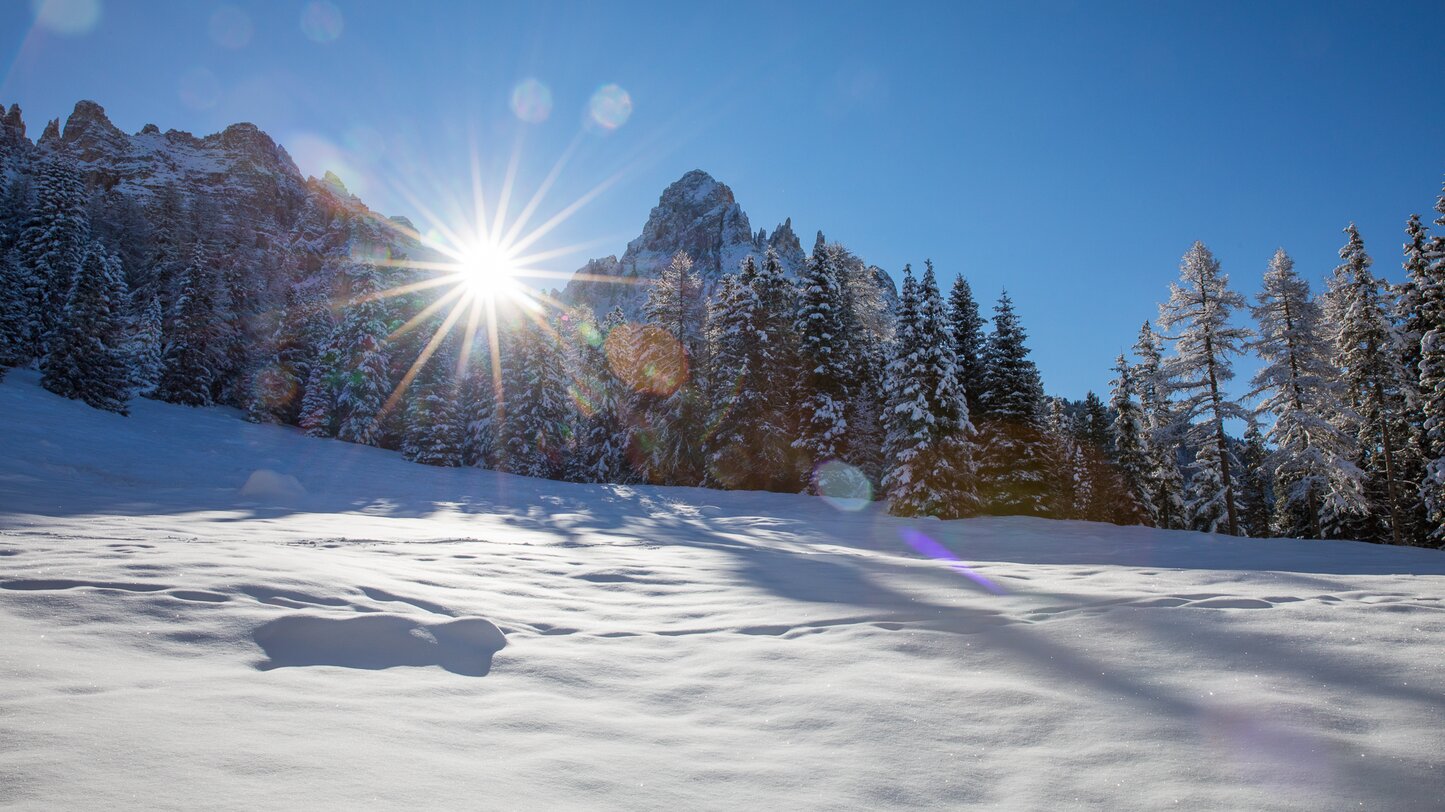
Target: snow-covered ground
pixel 200 612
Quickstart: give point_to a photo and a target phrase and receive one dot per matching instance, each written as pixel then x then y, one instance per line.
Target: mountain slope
pixel 259 618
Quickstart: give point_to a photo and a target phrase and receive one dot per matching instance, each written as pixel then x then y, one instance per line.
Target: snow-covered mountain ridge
pixel 261 618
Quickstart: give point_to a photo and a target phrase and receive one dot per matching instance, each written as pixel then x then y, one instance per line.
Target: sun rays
pixel 478 267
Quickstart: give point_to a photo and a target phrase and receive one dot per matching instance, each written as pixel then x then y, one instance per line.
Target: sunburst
pixel 482 267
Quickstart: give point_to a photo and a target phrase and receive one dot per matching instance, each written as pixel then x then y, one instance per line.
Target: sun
pixel 487 270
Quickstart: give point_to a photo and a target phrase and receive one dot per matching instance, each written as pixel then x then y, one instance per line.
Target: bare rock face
pixel 696 214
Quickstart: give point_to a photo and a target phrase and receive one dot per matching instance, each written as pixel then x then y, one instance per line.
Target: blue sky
pixel 1068 151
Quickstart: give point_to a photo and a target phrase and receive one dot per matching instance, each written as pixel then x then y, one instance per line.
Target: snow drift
pixel 353 631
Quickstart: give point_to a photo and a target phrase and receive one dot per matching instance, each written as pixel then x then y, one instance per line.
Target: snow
pixel 387 634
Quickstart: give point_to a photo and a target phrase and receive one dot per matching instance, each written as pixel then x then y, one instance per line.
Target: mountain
pixel 696 214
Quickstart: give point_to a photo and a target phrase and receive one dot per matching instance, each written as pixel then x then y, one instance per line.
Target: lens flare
pixel 930 547
pixel 532 101
pixel 486 270
pixel 69 17
pixel 321 21
pixel 842 485
pixel 230 27
pixel 610 107
pixel 646 358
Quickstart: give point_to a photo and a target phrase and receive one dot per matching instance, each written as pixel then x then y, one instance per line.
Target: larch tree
pixel 1198 312
pixel 1317 484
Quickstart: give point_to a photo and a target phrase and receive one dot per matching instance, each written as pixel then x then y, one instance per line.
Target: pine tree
pixel 189 367
pixel 1318 485
pixel 930 438
pixel 825 354
pixel 1166 480
pixel 148 348
pixel 363 377
pixel 87 359
pixel 433 422
pixel 1063 467
pixel 1365 350
pixel 966 326
pixel 51 246
pixel 1131 447
pixel 1199 308
pixel 1013 467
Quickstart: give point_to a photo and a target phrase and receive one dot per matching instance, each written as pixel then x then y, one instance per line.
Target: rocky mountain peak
pixel 89 134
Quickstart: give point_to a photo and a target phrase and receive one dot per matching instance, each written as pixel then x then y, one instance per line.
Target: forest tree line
pixel 815 383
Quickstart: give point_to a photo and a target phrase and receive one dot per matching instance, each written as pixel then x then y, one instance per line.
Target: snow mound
pixel 264 485
pixel 464 646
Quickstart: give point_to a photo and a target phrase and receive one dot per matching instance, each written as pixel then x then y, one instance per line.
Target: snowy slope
pixel 196 611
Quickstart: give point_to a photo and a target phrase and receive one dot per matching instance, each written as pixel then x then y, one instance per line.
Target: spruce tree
pixel 1199 309
pixel 930 438
pixel 1317 484
pixel 88 359
pixel 1131 447
pixel 14 315
pixel 533 414
pixel 1255 484
pixel 825 355
pixel 51 246
pixel 1166 479
pixel 1013 467
pixel 1365 351
pixel 148 348
pixel 189 366
pixel 601 443
pixel 433 421
pixel 966 325
pixel 363 377
pixel 1428 275
pixel 750 443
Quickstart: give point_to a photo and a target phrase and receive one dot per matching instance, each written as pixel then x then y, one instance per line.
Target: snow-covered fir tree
pixel 14 314
pixel 88 360
pixel 1063 468
pixel 751 440
pixel 478 405
pixel 189 368
pixel 1428 275
pixel 147 348
pixel 825 356
pixel 1165 477
pixel 51 246
pixel 966 326
pixel 1013 467
pixel 930 442
pixel 1198 311
pixel 363 380
pixel 1317 484
pixel 1255 484
pixel 434 428
pixel 1366 352
pixel 600 453
pixel 533 413
pixel 1131 443
pixel 867 321
pixel 301 335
